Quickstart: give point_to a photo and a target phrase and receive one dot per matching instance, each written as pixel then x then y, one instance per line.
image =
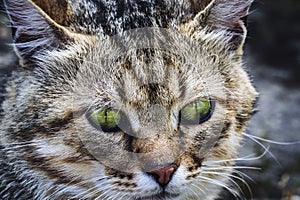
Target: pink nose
pixel 163 175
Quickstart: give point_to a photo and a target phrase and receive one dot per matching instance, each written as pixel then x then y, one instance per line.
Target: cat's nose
pixel 163 175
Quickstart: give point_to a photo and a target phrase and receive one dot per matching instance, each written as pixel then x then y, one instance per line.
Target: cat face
pixel 149 113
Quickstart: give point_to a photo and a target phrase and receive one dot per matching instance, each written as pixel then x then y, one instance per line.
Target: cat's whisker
pixel 235 167
pixel 231 169
pixel 193 191
pixel 242 174
pixel 246 158
pixel 240 192
pixel 201 190
pixel 232 178
pixel 216 182
pixel 266 150
pixel 211 170
pixel 223 174
pixel 270 141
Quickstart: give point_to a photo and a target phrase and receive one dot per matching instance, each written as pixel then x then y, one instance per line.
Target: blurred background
pixel 272 55
pixel 273 58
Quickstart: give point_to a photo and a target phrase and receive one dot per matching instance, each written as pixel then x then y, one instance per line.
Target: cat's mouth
pixel 160 196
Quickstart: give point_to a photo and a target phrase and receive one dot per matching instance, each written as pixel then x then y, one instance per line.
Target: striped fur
pixel 147 59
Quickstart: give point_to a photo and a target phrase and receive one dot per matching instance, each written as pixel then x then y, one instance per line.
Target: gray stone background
pixel 273 59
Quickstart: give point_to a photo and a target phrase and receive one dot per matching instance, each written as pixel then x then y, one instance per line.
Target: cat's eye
pixel 197 112
pixel 105 119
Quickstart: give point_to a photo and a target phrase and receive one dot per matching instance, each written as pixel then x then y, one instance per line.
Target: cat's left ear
pixel 36 30
pixel 223 15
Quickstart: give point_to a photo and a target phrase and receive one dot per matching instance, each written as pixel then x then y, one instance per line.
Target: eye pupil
pixel 196 112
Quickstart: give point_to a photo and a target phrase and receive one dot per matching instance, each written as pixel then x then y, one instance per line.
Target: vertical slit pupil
pixel 105 116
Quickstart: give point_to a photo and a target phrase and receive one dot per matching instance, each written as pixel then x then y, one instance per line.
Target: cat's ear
pixel 34 30
pixel 223 15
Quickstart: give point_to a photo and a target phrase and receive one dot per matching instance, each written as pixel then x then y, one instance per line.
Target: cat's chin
pixel 160 196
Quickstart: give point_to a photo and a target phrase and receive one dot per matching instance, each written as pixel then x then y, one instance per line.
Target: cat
pixel 124 99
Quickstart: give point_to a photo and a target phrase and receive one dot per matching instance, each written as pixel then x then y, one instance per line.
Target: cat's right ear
pixel 227 16
pixel 34 31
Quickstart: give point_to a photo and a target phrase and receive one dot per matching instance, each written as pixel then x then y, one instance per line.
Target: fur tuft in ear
pixel 224 15
pixel 231 16
pixel 33 31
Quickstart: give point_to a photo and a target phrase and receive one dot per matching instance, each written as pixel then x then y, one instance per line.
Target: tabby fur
pixel 146 58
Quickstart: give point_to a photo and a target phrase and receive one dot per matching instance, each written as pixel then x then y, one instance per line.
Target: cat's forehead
pixel 126 68
pixel 148 77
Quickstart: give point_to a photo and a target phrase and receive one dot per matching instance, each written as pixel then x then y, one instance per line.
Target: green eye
pixel 106 119
pixel 196 112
